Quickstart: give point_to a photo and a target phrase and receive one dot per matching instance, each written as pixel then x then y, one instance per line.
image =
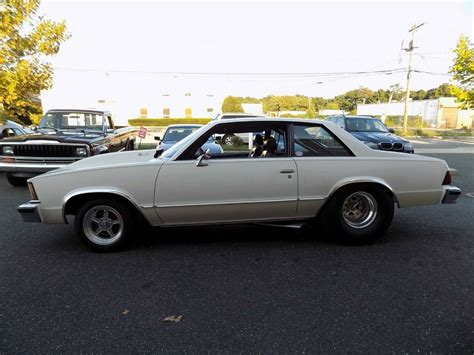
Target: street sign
pixel 142 132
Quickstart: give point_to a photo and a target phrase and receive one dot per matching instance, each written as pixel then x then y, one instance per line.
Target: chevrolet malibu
pixel 306 171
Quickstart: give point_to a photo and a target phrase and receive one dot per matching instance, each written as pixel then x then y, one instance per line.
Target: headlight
pixel 7 150
pixel 372 145
pixel 81 152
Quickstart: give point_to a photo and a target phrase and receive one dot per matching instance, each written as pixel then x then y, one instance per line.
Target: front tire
pixel 15 180
pixel 104 224
pixel 358 214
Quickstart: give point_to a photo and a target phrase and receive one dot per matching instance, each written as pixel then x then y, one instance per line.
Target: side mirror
pixel 391 130
pixel 157 138
pixel 201 161
pixel 158 153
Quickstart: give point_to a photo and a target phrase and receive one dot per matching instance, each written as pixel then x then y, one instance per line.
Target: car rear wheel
pixel 104 224
pixel 15 180
pixel 359 214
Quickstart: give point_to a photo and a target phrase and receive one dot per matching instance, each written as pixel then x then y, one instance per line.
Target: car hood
pixel 60 137
pixel 378 137
pixel 108 160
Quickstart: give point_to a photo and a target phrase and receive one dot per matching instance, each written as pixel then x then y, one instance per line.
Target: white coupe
pixel 291 171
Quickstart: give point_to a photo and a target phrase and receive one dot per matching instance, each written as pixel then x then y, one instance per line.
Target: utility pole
pixel 410 49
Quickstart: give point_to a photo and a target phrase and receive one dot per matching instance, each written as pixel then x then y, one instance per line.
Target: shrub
pixel 237 141
pixel 164 122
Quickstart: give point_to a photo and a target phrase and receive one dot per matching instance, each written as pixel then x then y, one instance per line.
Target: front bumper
pixel 451 194
pixel 29 211
pixel 33 168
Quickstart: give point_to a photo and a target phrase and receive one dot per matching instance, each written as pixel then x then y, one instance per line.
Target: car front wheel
pixel 104 224
pixel 15 180
pixel 359 214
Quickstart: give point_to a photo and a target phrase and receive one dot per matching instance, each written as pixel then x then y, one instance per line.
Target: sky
pixel 137 51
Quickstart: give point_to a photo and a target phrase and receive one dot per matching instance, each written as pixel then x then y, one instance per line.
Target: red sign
pixel 142 132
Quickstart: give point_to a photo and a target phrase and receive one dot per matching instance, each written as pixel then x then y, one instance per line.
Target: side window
pixel 316 141
pixel 8 132
pixel 237 142
pixel 18 132
pixel 340 122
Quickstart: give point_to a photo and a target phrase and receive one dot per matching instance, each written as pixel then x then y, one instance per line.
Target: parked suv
pixel 372 132
pixel 228 139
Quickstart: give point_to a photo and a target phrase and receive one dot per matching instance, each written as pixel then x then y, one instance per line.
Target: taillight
pixel 447 179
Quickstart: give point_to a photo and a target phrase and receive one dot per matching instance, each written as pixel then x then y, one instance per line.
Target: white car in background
pixel 317 170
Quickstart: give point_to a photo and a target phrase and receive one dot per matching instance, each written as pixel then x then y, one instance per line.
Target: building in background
pixel 444 112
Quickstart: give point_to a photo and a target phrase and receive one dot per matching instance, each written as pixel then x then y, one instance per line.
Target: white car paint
pixel 170 192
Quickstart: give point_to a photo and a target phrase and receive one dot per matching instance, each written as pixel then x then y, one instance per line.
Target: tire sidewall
pixel 121 208
pixel 15 180
pixel 365 235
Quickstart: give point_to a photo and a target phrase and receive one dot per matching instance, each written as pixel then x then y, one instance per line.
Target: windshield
pixel 72 121
pixel 175 134
pixel 170 152
pixel 365 125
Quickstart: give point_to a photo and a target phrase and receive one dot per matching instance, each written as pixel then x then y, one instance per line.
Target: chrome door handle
pixel 289 171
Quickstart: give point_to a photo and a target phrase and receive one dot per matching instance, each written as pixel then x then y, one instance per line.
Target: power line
pixel 248 74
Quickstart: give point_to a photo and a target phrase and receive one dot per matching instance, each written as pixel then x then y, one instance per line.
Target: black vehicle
pixel 372 132
pixel 62 137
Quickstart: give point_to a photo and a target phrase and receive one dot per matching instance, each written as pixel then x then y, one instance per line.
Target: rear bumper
pixel 451 194
pixel 29 212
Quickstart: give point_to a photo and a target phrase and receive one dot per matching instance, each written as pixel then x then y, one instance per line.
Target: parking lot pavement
pixel 243 289
pixel 461 145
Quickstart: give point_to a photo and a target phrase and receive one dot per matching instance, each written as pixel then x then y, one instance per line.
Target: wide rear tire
pixel 358 214
pixel 104 224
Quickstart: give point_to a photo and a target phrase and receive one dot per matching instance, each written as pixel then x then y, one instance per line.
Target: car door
pixel 227 189
pixel 321 159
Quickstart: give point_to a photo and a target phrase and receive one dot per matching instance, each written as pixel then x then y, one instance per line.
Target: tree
pixel 232 104
pixel 26 41
pixel 463 72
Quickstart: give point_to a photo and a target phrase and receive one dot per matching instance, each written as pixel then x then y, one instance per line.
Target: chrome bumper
pixel 30 167
pixel 451 194
pixel 29 212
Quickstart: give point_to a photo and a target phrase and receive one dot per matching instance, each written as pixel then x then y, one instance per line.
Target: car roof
pixel 189 125
pixel 354 116
pixel 266 119
pixel 77 110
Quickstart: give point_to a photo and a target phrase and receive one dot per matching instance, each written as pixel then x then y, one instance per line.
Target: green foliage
pixel 285 103
pixel 237 141
pixel 463 72
pixel 232 104
pixel 164 122
pixel 397 121
pixel 431 133
pixel 26 41
pixel 248 100
pixel 332 105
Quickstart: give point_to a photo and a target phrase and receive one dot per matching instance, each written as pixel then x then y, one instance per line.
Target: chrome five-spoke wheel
pixel 103 225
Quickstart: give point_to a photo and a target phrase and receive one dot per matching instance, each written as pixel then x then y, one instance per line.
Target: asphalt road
pixel 245 289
